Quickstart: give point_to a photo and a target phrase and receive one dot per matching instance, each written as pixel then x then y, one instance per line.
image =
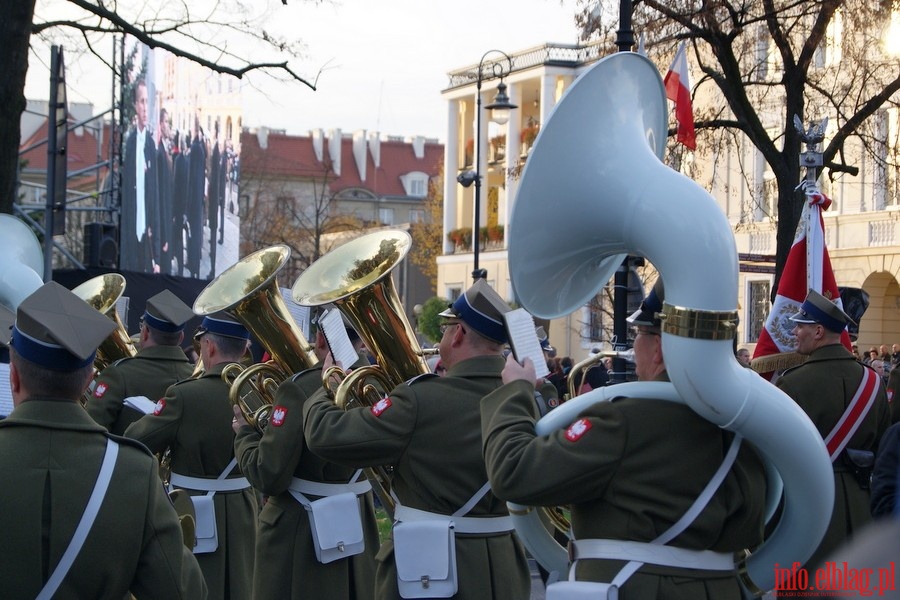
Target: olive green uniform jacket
pixel 823 387
pixel 50 456
pixel 149 374
pixel 194 420
pixel 630 471
pixel 286 564
pixel 428 430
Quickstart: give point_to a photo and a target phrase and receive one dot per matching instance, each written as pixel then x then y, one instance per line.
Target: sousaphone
pixel 597 160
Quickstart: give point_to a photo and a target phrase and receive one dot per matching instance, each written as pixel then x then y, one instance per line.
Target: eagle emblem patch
pixel 577 429
pixel 381 406
pixel 160 405
pixel 278 415
pixel 100 390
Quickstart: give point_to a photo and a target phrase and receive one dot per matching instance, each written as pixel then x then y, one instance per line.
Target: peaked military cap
pixel 58 330
pixel 221 323
pixel 166 312
pixel 651 307
pixel 544 339
pixel 819 309
pixel 482 309
pixel 7 320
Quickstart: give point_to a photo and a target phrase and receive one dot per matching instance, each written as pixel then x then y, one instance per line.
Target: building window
pixel 829 52
pixel 758 308
pixel 285 204
pixel 415 184
pixel 386 216
pixel 416 215
pixel 595 319
pixel 454 291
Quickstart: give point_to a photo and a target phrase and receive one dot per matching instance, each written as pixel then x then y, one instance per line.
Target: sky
pixel 382 63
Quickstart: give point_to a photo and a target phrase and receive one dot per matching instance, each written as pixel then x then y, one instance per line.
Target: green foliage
pixel 429 321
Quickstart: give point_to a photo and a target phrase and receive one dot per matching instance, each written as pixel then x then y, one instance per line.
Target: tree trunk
pixel 15 30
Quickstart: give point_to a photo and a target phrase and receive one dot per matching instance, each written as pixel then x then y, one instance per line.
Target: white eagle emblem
pixel 278 415
pixel 381 406
pixel 101 389
pixel 577 429
pixel 160 405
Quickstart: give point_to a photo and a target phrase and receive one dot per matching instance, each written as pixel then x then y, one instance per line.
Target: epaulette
pixel 126 441
pixel 421 377
pixel 790 369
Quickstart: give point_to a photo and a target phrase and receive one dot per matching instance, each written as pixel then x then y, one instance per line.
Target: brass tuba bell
pixel 102 293
pixel 248 290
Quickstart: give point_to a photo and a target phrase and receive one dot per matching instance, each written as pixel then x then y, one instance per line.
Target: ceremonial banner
pixel 808 267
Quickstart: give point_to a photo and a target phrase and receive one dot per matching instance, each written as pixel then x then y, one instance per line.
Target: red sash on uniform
pixel 854 414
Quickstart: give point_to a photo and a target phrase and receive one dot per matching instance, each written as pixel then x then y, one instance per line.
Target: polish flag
pixel 678 90
pixel 808 267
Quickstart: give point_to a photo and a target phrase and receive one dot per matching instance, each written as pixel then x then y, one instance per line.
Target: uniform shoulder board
pixel 189 379
pixel 124 441
pixel 121 360
pixel 421 377
pixel 791 369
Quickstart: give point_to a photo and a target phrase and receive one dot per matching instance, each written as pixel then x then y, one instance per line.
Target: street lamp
pixel 500 108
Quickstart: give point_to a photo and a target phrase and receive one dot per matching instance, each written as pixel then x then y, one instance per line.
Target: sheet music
pixel 300 313
pixel 142 404
pixel 122 305
pixel 524 340
pixel 6 401
pixel 342 350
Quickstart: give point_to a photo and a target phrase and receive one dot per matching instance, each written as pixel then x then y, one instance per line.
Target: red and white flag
pixel 808 267
pixel 678 90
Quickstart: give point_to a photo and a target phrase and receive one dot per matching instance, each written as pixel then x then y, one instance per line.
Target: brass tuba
pixel 356 278
pixel 599 157
pixel 248 290
pixel 102 293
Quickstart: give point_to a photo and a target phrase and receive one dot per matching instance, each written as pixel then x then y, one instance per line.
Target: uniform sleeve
pixel 568 466
pixel 362 436
pixel 268 461
pixel 105 403
pixel 166 568
pixel 158 430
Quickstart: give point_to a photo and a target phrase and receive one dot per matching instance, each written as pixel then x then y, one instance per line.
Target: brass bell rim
pixel 222 293
pixel 324 283
pixel 102 292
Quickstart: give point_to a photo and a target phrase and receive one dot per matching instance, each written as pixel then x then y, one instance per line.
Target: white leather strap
pixel 208 485
pixel 477 525
pixel 87 521
pixel 319 488
pixel 654 554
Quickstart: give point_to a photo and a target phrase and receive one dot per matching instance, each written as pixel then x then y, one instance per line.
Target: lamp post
pixel 625 41
pixel 499 108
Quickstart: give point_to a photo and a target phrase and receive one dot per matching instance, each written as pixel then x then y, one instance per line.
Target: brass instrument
pixel 356 278
pixel 102 293
pixel 248 290
pixel 578 373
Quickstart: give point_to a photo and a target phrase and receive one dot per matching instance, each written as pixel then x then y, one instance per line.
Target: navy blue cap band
pixel 226 328
pixel 160 324
pixel 816 314
pixel 480 322
pixel 47 355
